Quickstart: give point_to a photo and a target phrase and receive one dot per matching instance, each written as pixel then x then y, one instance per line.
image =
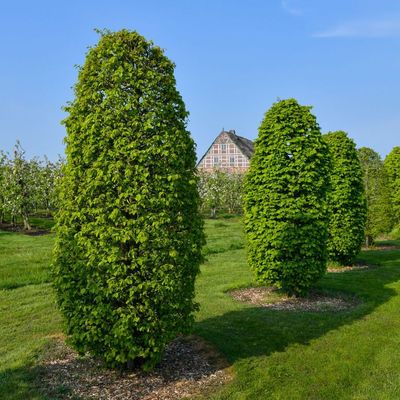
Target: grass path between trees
pixel 352 354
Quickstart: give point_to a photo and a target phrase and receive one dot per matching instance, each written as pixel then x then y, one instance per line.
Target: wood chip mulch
pixel 189 367
pixel 381 247
pixel 315 301
pixel 350 268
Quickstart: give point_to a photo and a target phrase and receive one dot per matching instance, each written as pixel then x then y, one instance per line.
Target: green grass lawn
pixel 28 315
pixel 275 354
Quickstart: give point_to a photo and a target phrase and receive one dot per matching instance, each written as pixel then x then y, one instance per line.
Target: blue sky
pixel 233 60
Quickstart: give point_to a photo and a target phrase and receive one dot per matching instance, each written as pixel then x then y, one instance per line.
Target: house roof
pixel 246 146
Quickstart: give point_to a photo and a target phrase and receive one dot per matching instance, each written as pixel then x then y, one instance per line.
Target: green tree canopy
pixel 347 205
pixel 377 194
pixel 392 167
pixel 129 234
pixel 285 199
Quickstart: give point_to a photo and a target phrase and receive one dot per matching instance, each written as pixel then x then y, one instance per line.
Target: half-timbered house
pixel 229 152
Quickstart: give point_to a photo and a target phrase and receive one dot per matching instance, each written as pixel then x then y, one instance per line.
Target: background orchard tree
pixel 221 191
pixel 3 159
pixel 211 190
pixel 129 234
pixel 233 193
pixel 392 167
pixel 20 189
pixel 27 186
pixel 347 205
pixel 285 199
pixel 48 175
pixel 377 194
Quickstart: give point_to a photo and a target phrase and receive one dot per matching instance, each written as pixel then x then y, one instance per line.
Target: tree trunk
pixel 213 212
pixel 27 225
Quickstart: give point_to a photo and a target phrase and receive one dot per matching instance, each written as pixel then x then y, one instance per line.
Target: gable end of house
pixel 228 152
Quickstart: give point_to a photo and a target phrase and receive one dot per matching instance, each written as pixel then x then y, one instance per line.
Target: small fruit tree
pixel 19 186
pixel 347 205
pixel 129 234
pixel 285 199
pixel 221 190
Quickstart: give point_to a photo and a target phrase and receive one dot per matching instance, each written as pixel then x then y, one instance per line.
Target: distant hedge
pixel 285 199
pixel 129 234
pixel 347 204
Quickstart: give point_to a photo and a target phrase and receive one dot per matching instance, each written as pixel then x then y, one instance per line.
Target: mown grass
pixel 305 355
pixel 28 315
pixel 351 354
pixel 24 259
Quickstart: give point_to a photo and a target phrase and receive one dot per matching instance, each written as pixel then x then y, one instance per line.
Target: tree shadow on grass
pixel 257 331
pixel 21 384
pixel 14 284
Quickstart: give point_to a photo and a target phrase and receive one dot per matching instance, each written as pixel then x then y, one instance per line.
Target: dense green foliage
pixel 392 167
pixel 221 191
pixel 129 234
pixel 347 205
pixel 285 199
pixel 274 354
pixel 377 194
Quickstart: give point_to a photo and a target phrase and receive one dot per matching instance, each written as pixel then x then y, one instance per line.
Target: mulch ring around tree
pixel 189 367
pixel 274 299
pixel 18 228
pixel 356 267
pixel 381 247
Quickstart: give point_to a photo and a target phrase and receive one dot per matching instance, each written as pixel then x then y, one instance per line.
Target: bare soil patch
pixel 190 366
pixel 272 298
pixel 20 229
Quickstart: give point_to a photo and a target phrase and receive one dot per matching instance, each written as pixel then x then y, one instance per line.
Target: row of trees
pixel 223 192
pixel 26 186
pixel 129 231
pixel 311 197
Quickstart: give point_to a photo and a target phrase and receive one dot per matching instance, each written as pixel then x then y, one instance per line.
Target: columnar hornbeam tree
pixel 129 234
pixel 347 204
pixel 392 167
pixel 285 199
pixel 377 194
